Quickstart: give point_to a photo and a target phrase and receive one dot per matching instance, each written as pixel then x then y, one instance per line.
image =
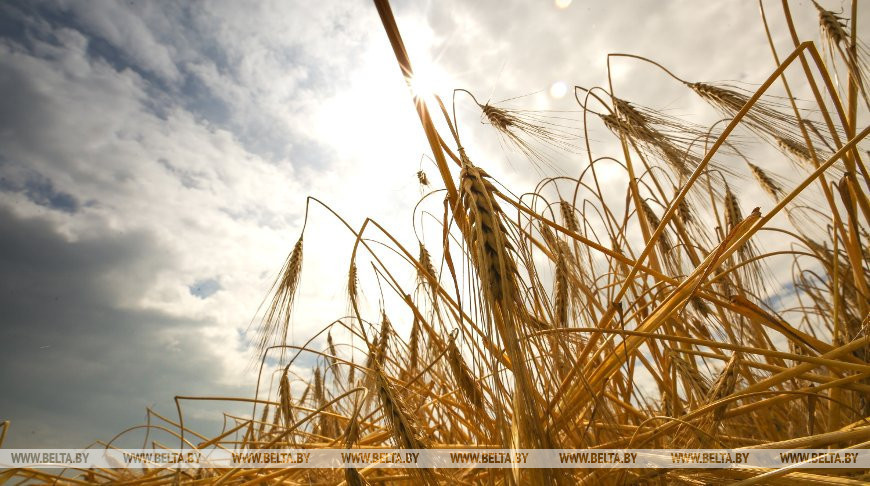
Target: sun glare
pixel 429 78
pixel 558 89
pixel 422 85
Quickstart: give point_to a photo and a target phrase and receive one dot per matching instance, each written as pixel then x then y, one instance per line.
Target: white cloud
pixel 133 31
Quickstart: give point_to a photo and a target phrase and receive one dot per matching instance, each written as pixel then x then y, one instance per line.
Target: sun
pixel 428 81
pixel 429 77
pixel 422 85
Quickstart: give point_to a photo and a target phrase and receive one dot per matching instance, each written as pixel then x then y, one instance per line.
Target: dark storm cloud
pixel 71 355
pixel 137 159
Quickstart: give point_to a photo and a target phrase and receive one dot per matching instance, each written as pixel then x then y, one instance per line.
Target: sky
pixel 156 157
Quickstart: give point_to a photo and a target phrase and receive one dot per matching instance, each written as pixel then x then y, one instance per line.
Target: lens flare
pixel 558 89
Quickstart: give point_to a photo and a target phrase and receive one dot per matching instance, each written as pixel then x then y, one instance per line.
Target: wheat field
pixel 554 319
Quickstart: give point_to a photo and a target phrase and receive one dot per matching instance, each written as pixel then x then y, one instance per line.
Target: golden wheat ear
pixel 469 386
pixel 797 152
pixel 286 406
pixel 766 117
pixel 838 39
pixel 767 182
pixel 540 136
pixel 403 427
pixel 352 284
pixel 660 138
pixel 426 274
pixel 274 326
pixel 351 436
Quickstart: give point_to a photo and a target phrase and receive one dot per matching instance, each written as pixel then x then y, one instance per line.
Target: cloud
pixel 72 355
pixel 42 192
pixel 132 30
pixel 159 216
